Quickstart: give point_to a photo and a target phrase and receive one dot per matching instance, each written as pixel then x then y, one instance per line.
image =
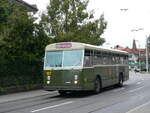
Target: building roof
pixel 31 8
pixel 133 50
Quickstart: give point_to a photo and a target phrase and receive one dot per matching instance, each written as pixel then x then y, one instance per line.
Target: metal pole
pixel 146 55
pixel 139 61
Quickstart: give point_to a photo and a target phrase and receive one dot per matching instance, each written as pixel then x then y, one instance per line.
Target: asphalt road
pixel 133 97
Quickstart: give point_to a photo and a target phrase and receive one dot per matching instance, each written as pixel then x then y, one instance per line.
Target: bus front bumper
pixel 67 88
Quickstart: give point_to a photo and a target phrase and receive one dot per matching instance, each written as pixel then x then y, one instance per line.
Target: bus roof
pixel 78 45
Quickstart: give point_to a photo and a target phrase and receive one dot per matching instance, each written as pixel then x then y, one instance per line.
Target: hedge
pixel 20 74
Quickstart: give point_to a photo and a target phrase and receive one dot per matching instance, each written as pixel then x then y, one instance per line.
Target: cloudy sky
pixel 122 25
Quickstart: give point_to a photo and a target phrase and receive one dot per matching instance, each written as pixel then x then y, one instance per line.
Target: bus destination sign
pixel 64 45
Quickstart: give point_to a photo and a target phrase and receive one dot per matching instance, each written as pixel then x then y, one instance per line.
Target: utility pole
pixel 139 58
pixel 147 54
pixel 139 61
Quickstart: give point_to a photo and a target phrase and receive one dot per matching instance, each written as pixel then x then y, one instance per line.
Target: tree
pixel 22 44
pixel 68 20
pixel 19 35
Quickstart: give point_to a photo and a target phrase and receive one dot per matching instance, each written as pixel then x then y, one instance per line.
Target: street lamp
pixel 124 9
pixel 139 29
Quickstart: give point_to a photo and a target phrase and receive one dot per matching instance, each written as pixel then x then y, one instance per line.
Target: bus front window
pixel 53 59
pixel 68 58
pixel 72 58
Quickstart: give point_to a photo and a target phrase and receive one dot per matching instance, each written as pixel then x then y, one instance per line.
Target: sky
pixel 123 26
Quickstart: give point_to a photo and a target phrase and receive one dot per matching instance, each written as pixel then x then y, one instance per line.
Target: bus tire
pixel 120 84
pixel 97 85
pixel 63 93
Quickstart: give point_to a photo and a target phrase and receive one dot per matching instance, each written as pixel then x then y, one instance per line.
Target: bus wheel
pixel 97 86
pixel 63 93
pixel 120 84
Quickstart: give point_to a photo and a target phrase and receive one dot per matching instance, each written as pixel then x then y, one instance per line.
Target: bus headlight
pixel 48 77
pixel 75 82
pixel 48 82
pixel 76 77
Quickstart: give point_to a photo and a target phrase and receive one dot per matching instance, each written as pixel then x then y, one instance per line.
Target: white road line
pixel 120 89
pixel 139 107
pixel 131 91
pixel 138 83
pixel 49 107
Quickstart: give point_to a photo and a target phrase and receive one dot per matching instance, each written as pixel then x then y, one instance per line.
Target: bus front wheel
pixel 63 93
pixel 97 86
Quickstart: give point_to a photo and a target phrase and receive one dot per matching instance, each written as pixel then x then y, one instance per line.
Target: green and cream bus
pixel 73 66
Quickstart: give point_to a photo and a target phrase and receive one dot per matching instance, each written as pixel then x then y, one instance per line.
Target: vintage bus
pixel 73 66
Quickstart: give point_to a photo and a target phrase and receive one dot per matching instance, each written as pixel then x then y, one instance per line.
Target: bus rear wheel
pixel 97 86
pixel 120 84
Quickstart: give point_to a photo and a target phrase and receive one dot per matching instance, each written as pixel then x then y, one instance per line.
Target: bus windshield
pixel 63 58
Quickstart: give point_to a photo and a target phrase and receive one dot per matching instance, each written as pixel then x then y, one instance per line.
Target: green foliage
pixel 22 44
pixel 20 36
pixel 68 20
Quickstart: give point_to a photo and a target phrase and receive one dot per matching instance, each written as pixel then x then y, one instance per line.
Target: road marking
pixel 49 107
pixel 120 89
pixel 131 91
pixel 138 107
pixel 138 83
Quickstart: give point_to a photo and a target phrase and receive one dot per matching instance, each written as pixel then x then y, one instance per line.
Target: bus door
pixel 88 69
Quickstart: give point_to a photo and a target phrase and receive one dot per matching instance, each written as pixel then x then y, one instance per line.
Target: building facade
pixel 137 56
pixel 27 6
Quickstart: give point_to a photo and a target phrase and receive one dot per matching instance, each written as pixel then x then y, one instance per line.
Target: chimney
pixel 134 45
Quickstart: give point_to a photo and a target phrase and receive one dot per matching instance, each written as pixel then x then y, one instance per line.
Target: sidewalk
pixel 139 73
pixel 23 95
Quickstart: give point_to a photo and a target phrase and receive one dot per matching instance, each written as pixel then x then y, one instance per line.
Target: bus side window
pixel 110 58
pixel 117 59
pixel 126 59
pixel 121 60
pixel 99 60
pixel 95 60
pixel 88 58
pixel 104 58
pixel 113 59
